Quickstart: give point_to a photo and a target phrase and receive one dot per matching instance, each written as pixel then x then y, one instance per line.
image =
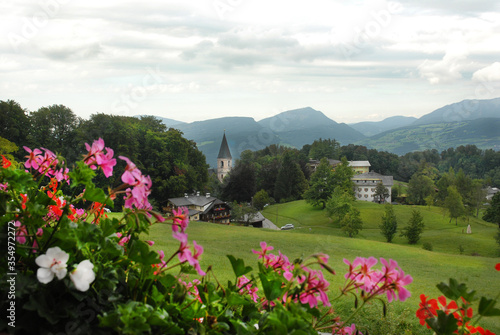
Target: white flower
pixel 52 263
pixel 83 275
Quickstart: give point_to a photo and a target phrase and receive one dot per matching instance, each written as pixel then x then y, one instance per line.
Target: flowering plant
pixel 456 315
pixel 72 269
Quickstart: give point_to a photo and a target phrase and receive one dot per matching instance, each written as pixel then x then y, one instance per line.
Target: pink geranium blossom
pixel 34 158
pixel 21 232
pixel 97 158
pixel 181 219
pixel 137 196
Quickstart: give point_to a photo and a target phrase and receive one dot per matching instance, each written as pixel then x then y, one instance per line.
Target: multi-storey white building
pixel 366 183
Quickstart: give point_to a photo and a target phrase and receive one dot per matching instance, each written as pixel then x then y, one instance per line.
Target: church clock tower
pixel 224 159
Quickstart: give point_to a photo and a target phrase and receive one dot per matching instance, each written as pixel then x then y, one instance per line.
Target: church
pixel 224 160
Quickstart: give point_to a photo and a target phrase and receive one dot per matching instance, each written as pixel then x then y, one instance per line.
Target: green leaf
pixel 455 290
pixel 487 307
pixel 234 299
pixel 97 195
pixel 443 324
pixel 272 288
pixel 239 267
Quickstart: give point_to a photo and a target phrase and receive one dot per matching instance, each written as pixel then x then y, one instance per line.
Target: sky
pixel 197 60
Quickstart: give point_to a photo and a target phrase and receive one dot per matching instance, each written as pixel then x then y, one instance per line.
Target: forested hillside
pixel 174 163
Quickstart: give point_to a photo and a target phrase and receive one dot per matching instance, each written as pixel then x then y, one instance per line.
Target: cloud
pixel 446 70
pixel 490 73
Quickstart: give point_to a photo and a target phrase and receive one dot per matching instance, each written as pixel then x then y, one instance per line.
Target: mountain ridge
pixel 452 125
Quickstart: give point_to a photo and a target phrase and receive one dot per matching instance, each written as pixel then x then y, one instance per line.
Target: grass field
pixel 316 233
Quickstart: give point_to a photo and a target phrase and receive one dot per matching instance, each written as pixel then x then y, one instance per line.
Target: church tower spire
pixel 224 159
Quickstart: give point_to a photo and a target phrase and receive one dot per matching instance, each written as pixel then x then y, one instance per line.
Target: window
pixel 366 189
pixel 221 164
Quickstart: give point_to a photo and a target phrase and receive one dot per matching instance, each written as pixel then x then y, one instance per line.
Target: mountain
pixel 371 128
pixel 170 123
pixel 305 125
pixel 463 111
pixel 484 133
pixel 242 133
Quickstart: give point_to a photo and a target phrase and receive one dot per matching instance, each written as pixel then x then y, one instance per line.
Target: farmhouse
pixel 203 208
pixel 360 167
pixel 366 183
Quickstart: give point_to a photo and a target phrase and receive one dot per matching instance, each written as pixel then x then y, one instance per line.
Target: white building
pixel 366 183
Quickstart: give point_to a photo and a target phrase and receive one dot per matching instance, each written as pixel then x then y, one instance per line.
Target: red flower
pixel 427 310
pixel 497 267
pixel 5 162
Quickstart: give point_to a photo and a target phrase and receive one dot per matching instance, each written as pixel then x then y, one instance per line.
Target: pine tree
pixel 415 227
pixel 389 224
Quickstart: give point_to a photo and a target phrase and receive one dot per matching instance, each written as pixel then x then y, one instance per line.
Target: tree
pixel 419 188
pixel 342 177
pixel 389 224
pixel 7 147
pixel 261 199
pixel 240 186
pixel 477 195
pixel 321 185
pixel 14 123
pixel 381 193
pixel 351 223
pixel 492 214
pixel 56 127
pixel 454 204
pixel 243 213
pixel 290 182
pixel 414 228
pixel 324 149
pixel 339 204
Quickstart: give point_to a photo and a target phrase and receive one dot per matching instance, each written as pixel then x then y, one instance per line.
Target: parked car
pixel 287 226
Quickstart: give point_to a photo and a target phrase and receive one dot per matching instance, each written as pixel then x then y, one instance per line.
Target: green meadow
pixel 469 258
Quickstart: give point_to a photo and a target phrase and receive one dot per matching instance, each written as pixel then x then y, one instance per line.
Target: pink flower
pixel 3 187
pixel 265 249
pixel 397 285
pixel 151 243
pixel 131 171
pixel 34 158
pixel 185 254
pixel 181 219
pixel 97 158
pixel 138 195
pixel 315 289
pixel 21 232
pixel 246 288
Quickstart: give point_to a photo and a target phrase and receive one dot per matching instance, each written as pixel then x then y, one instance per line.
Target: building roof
pixel 386 180
pixel 224 149
pixel 359 163
pixel 190 200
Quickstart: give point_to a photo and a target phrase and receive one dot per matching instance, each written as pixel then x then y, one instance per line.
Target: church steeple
pixel 224 159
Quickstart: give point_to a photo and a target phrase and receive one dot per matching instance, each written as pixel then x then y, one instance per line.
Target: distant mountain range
pixel 466 122
pixel 368 128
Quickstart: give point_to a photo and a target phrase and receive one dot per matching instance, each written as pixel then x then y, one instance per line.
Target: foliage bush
pixel 71 269
pixel 427 246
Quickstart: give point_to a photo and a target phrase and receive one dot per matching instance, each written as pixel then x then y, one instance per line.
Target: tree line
pixel 175 164
pixel 279 173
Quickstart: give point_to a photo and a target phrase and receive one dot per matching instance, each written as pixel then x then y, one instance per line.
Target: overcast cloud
pixel 196 60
